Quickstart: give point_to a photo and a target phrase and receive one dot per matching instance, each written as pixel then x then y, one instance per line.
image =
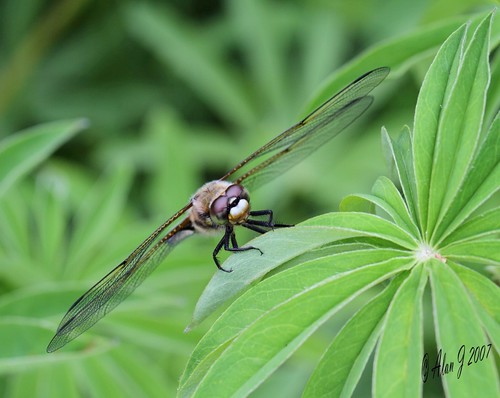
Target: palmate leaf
pixel 341 366
pixel 283 245
pixel 297 301
pixel 462 111
pixel 398 357
pixel 387 197
pixel 423 238
pixel 480 184
pixel 401 151
pixel 433 93
pixel 457 325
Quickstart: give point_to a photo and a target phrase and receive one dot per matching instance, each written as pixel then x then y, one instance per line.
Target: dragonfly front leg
pixel 268 224
pixel 227 240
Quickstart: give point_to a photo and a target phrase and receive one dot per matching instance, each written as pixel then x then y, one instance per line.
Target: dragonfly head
pixel 232 206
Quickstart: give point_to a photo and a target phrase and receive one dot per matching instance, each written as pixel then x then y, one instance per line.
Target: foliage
pixel 448 172
pixel 174 95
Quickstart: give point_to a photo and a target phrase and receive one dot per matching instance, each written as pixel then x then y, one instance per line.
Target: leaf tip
pixel 83 123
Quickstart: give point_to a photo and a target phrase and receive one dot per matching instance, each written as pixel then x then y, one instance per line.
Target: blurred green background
pixel 176 93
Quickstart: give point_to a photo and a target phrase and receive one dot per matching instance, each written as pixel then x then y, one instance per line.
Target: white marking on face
pixel 240 211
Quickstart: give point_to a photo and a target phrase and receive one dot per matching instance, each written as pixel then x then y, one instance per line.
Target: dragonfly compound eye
pixel 220 208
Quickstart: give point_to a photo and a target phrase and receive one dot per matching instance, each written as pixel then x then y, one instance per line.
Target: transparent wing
pixel 120 282
pixel 300 140
pixel 318 134
pixel 279 154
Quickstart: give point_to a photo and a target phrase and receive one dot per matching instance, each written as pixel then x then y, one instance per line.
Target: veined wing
pixel 300 140
pixel 120 282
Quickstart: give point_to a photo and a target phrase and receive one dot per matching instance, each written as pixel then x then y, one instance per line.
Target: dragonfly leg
pixel 251 224
pixel 217 250
pixel 269 223
pixel 229 235
pixel 227 240
pixel 258 213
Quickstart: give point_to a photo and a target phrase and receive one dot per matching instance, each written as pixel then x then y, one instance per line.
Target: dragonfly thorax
pixel 218 203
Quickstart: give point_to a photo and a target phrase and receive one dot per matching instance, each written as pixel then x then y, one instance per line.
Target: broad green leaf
pixel 247 308
pixel 364 203
pixel 401 151
pixel 21 152
pixel 398 358
pixel 365 225
pixel 278 247
pixel 481 182
pixel 282 245
pixel 387 197
pixel 274 336
pixel 385 189
pixel 482 251
pixel 481 225
pixel 359 203
pixel 459 126
pixel 458 330
pixel 428 115
pixel 341 365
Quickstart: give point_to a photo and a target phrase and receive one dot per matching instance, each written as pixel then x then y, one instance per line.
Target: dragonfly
pixel 222 205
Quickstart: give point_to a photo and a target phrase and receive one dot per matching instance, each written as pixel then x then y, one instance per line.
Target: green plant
pixel 21 153
pixel 440 232
pixel 156 79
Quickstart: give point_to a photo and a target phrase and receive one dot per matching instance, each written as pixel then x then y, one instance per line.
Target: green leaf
pixel 398 54
pixel 458 330
pixel 401 151
pixel 459 126
pixel 481 225
pixel 24 340
pixel 483 290
pixel 21 152
pixel 246 309
pixel 480 184
pixel 399 353
pixel 14 212
pixel 493 102
pixel 480 251
pixel 428 115
pixel 282 245
pixel 278 247
pixel 386 190
pixel 490 325
pixel 175 44
pixel 341 365
pixel 365 225
pixel 261 347
pixel 95 219
pixel 388 198
pixel 359 203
